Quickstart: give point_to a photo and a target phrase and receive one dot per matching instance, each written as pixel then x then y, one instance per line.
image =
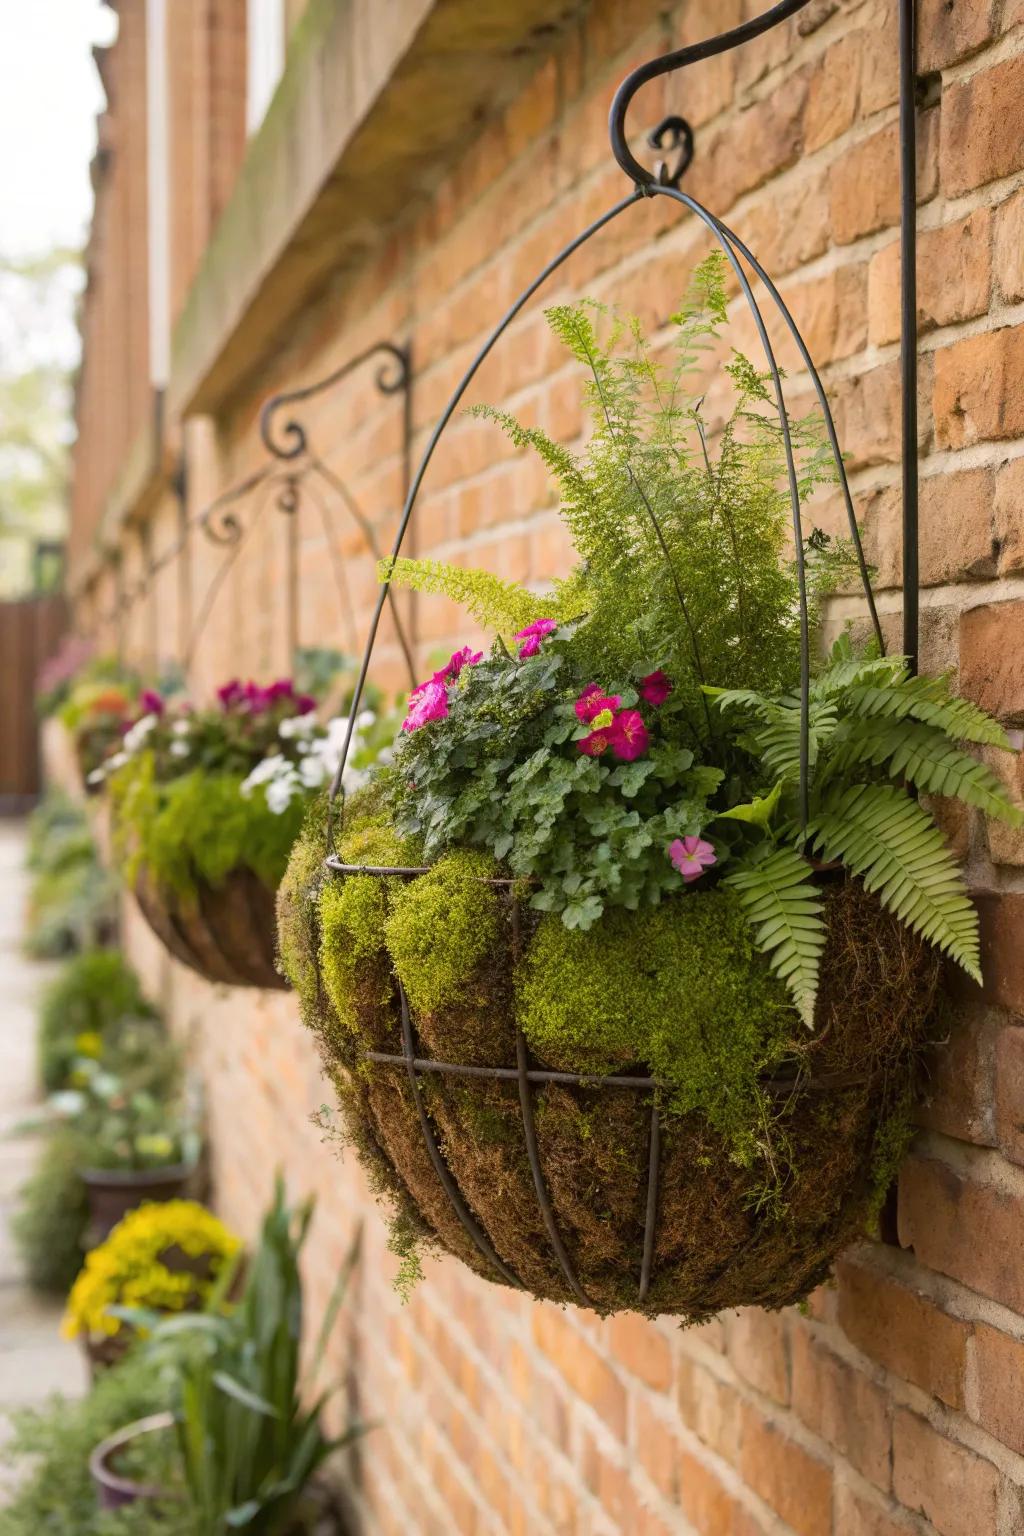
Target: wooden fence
pixel 29 633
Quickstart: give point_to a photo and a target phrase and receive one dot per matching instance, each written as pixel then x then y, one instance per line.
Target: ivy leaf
pixel 583 914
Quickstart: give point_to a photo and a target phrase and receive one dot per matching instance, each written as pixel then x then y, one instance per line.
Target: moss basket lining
pixel 593 1188
pixel 226 933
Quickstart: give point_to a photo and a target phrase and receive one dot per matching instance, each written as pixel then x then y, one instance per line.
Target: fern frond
pixel 500 605
pixel 929 760
pixel 927 699
pixel 886 838
pixel 785 910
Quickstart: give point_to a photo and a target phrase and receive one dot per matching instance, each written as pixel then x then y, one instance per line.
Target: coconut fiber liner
pixel 712 1241
pixel 225 932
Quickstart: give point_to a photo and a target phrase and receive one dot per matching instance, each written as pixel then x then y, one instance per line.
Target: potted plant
pixel 167 1257
pixel 96 715
pixel 622 999
pixel 136 1135
pixel 207 804
pixel 241 1445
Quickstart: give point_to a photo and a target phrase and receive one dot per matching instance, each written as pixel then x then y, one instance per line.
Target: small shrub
pixel 49 1224
pixel 94 993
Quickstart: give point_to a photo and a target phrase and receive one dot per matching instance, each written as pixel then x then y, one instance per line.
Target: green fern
pixel 500 605
pixel 785 908
pixel 925 757
pixel 879 833
pixel 927 699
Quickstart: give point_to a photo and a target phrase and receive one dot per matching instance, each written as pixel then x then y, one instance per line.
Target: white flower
pixel 279 795
pixel 298 725
pixel 313 771
pixel 179 749
pixel 135 738
pixel 181 727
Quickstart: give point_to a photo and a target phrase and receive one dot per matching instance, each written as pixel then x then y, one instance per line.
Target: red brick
pixel 981 137
pixel 865 187
pixel 976 395
pixel 1001 917
pixel 957 538
pixel 796 1485
pixel 710 1408
pixel 706 1503
pixel 658 1450
pixel 903 1331
pixel 759 1349
pixel 866 407
pixel 832 94
pixel 587 1373
pixel 950 30
pixel 1008 516
pixel 964 1228
pixel 841 1405
pixel 992 658
pixel 998 1378
pixel 1009 248
pixel 954 277
pixel 857 1515
pixel 1005 842
pixel 1009 1091
pixel 641 1349
pixel 948 1484
pixel 958 1095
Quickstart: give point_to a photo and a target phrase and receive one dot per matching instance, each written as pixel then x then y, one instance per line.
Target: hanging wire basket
pixel 581 1188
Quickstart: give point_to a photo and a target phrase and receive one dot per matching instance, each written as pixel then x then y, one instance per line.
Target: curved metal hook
pixel 708 49
pixel 392 376
pixel 221 526
pixel 680 137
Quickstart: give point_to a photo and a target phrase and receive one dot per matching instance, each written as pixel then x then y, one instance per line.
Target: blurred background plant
pixel 72 898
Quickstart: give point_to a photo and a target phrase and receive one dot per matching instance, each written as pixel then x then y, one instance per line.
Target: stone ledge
pixel 370 107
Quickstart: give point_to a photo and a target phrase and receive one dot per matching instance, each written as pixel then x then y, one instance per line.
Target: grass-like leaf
pixel 884 836
pixel 785 910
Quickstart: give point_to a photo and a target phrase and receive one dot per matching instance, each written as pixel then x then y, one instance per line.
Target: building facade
pixel 279 188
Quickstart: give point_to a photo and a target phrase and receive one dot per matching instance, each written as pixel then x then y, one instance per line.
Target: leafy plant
pixel 49 1223
pixel 167 1256
pixel 249 1446
pixel 51 1446
pixel 875 731
pixel 73 899
pixel 83 1008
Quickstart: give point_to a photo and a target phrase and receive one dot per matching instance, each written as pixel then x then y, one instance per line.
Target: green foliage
pixel 874 730
pixel 50 1221
pixel 678 988
pixel 504 772
pixel 249 1444
pixel 92 995
pixel 129 1103
pixel 52 1445
pixel 73 899
pixel 441 927
pixel 501 605
pixel 198 827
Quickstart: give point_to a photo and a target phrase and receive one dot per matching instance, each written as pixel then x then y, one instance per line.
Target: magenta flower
pixel 532 636
pixel 692 856
pixel 429 702
pixel 655 688
pixel 152 703
pixel 628 736
pixel 597 742
pixel 458 660
pixel 232 693
pixel 305 704
pixel 593 701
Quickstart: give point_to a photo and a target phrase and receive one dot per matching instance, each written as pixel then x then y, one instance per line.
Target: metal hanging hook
pixel 665 65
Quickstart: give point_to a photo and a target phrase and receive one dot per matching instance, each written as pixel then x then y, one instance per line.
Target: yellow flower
pixel 130 1268
pixel 89 1043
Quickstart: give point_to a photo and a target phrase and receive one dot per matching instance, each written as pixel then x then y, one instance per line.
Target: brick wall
pixel 892 1406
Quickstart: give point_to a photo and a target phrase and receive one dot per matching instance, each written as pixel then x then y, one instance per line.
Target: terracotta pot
pixel 113 1192
pixel 112 1490
pixel 227 933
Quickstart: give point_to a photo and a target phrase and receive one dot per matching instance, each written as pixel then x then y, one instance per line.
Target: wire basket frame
pixel 647 184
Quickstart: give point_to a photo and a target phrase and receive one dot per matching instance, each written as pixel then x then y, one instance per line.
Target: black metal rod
pixel 451 1189
pixel 908 329
pixel 533 1153
pixel 669 62
pixel 651 1213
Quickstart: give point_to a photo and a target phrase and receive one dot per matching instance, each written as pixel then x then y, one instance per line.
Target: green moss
pixel 353 911
pixel 297 926
pixel 678 989
pixel 441 928
pixel 892 1141
pixel 198 827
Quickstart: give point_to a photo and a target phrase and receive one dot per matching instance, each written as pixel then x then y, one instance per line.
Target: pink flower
pixel 655 688
pixel 458 660
pixel 231 693
pixel 593 702
pixel 152 703
pixel 692 856
pixel 429 702
pixel 532 636
pixel 628 736
pixel 597 742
